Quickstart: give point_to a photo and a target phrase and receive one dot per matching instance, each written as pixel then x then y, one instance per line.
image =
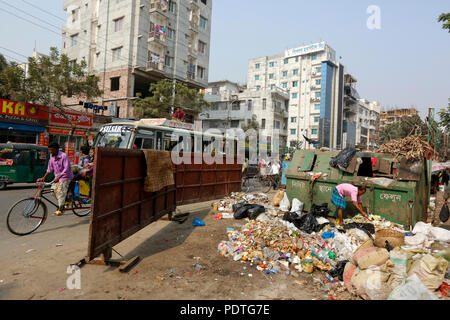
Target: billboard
pixel 23 113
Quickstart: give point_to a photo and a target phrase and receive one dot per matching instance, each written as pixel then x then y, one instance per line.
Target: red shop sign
pixel 81 120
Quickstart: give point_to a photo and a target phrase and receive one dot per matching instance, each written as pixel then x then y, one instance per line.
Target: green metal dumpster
pixel 396 190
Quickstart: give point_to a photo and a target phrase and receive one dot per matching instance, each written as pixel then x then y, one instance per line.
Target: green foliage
pixel 50 78
pixel 3 63
pixel 298 146
pixel 402 129
pixel 444 114
pixel 163 97
pixel 445 18
pixel 252 124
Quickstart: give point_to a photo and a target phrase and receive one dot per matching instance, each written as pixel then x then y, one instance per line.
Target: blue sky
pixel 405 63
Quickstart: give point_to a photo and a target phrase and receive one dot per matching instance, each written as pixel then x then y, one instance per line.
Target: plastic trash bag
pixel 413 289
pixel 297 206
pixel 444 215
pixel 368 228
pixel 198 223
pixel 343 158
pixel 321 211
pixel 285 204
pixel 255 211
pixel 339 270
pixel 308 223
pixel 252 211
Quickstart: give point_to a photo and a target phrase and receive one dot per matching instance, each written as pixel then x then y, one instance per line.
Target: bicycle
pixel 32 212
pixel 271 181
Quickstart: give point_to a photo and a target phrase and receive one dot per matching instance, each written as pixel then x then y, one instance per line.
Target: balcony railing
pixel 316 74
pixel 190 75
pixel 160 5
pixel 315 99
pixel 315 87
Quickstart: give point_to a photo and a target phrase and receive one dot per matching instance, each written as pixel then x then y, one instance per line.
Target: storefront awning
pixel 21 127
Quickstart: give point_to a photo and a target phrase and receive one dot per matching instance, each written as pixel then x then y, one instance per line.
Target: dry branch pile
pixel 411 147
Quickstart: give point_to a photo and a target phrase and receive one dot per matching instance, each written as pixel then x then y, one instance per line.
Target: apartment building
pixel 313 81
pixel 394 116
pixel 233 107
pixel 132 43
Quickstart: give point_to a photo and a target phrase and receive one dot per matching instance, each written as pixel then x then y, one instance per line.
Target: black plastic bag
pixel 240 210
pixel 339 270
pixel 343 158
pixel 255 211
pixel 368 228
pixel 444 215
pixel 308 223
pixel 321 211
pixel 291 217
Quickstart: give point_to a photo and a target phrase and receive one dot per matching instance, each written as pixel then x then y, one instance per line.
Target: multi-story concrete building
pixel 234 107
pixel 314 83
pixel 130 44
pixel 394 116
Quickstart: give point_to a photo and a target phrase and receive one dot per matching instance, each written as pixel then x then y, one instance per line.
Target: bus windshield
pixel 114 136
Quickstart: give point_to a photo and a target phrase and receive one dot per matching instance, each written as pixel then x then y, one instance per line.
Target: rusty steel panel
pixel 409 171
pixel 204 182
pixel 120 205
pixel 384 166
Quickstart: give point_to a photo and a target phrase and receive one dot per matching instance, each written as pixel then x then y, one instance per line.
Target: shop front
pixel 21 122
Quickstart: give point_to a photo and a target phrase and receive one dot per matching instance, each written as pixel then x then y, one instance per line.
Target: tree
pixel 251 124
pixel 297 145
pixel 444 114
pixel 3 63
pixel 163 98
pixel 399 130
pixel 445 18
pixel 49 80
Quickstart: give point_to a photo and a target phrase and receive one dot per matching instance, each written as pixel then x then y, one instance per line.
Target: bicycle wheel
pixel 80 209
pixel 25 216
pixel 267 184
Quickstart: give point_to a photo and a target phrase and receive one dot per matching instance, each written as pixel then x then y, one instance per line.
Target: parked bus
pixel 160 134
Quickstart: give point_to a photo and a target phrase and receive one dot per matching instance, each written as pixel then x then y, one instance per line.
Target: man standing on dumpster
pixel 348 190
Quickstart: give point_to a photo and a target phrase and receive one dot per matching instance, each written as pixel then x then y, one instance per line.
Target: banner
pixel 43 139
pixel 70 151
pixel 23 113
pixel 67 131
pixel 80 120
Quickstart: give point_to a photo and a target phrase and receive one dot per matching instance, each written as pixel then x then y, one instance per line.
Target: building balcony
pixel 316 88
pixel 194 4
pixel 314 100
pixel 159 9
pixel 155 67
pixel 157 38
pixel 192 51
pixel 190 75
pixel 316 74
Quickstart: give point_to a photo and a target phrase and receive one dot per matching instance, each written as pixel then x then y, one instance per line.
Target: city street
pixel 34 267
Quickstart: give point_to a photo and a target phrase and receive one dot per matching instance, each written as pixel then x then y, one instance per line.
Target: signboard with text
pixel 23 113
pixel 305 50
pixel 66 131
pixel 43 139
pixel 70 151
pixel 79 120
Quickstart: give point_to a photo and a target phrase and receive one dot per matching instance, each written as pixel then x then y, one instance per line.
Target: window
pixel 295 72
pixel 314 131
pixel 271 76
pixel 314 57
pixel 286 61
pixel 234 123
pixel 115 84
pixel 116 54
pixel 203 22
pixel 201 47
pixel 295 84
pixel 250 104
pixel 293 131
pixel 285 73
pixel 284 85
pixel 317 107
pixel 258 88
pixel 264 104
pixel 296 59
pixel 276 124
pixel 294 95
pixel 118 24
pixel 263 123
pixel 74 40
pixel 316 119
pixel 271 64
pixel 201 72
pixel 257 66
pixel 170 33
pixel 319 69
pixel 257 77
pixel 172 6
pixel 293 119
pixel 272 87
pixel 318 94
pixel 235 106
pixel 318 82
pixel 168 61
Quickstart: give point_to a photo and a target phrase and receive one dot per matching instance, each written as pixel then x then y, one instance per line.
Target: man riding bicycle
pixel 60 165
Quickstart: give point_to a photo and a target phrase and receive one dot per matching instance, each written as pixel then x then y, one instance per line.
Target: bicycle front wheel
pixel 25 216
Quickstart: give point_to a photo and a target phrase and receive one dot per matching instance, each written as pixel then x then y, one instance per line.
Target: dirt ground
pixel 168 252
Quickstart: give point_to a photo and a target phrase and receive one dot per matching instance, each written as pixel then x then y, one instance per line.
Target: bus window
pixel 148 143
pixel 137 143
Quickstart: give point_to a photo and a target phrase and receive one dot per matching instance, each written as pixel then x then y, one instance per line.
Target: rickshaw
pixel 22 163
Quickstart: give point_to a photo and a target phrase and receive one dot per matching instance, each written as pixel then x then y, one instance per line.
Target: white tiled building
pixel 131 43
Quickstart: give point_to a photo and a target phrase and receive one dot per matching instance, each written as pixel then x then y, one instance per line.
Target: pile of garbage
pixel 378 260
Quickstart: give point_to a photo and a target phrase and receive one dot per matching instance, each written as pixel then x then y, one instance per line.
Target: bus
pixel 162 134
